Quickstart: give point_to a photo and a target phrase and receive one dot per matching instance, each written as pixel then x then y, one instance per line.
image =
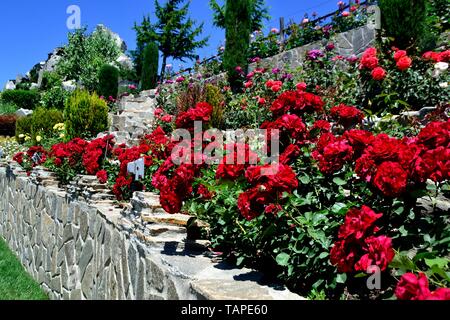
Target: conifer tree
pixel 175 33
pixel 237 34
pixel 259 13
pixel 150 67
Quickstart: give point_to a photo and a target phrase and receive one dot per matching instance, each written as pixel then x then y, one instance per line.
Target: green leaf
pixel 239 261
pixel 361 275
pixel 439 262
pixel 339 181
pixel 283 259
pixel 323 255
pixel 305 179
pixel 341 278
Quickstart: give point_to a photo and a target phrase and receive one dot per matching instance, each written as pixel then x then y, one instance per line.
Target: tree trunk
pixel 163 68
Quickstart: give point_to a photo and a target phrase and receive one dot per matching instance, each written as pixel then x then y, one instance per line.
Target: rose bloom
pixel 167 118
pixel 261 101
pixel 345 14
pixel 380 253
pixel 102 176
pixel 404 63
pixel 399 54
pixel 378 74
pixel 391 179
pixel 301 86
pixel 248 84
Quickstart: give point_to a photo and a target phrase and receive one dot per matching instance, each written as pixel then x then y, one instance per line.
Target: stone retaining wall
pixel 78 250
pixel 353 42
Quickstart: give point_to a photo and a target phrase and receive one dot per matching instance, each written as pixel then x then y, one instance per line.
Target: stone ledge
pixel 78 250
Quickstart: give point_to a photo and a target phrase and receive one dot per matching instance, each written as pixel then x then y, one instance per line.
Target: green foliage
pixel 23 127
pixel 149 76
pixel 42 122
pixel 7 108
pixel 215 98
pixel 85 54
pixel 85 115
pixel 174 32
pixel 108 79
pixel 15 282
pixel 259 13
pixel 27 99
pixel 404 21
pixel 237 34
pixel 53 94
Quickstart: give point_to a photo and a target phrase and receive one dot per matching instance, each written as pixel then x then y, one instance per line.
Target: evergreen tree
pixel 259 13
pixel 108 81
pixel 175 33
pixel 144 36
pixel 404 21
pixel 150 66
pixel 237 34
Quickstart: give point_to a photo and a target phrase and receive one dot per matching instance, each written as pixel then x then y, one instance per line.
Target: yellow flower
pixel 21 136
pixel 27 138
pixel 38 138
pixel 59 126
pixel 62 135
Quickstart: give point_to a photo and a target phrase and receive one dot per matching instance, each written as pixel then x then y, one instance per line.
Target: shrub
pixel 43 120
pixel 85 115
pixel 108 79
pixel 149 77
pixel 85 54
pixel 215 98
pixel 23 127
pixel 238 23
pixel 27 99
pixel 7 108
pixel 7 124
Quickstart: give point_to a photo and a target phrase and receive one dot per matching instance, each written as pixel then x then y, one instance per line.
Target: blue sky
pixel 30 29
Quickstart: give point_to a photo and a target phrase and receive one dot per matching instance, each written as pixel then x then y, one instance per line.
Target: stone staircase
pixel 134 118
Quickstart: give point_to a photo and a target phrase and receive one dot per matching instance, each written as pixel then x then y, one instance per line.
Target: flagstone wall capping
pixel 80 249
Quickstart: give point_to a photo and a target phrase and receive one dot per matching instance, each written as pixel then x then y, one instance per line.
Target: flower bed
pixel 345 202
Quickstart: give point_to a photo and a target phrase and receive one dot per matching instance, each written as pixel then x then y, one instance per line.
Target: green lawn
pixel 15 282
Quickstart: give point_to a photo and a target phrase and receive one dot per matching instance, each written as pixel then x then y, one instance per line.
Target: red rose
pixel 170 201
pixel 291 153
pixel 261 101
pixel 435 134
pixel 411 287
pixel 343 256
pixel 347 115
pixel 18 158
pixel 440 294
pixel 252 203
pixel 204 192
pixel 102 176
pixel 301 86
pixel 404 63
pixel 399 54
pixel 358 222
pixel 380 253
pixel 369 62
pixel 378 74
pixel 391 179
pixel 248 84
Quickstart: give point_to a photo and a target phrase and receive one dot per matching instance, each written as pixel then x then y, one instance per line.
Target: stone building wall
pixel 78 250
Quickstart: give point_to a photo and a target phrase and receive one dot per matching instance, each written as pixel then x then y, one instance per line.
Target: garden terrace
pixel 77 249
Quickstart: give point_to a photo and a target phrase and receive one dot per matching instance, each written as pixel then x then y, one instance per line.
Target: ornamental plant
pixel 150 66
pixel 85 115
pixel 108 81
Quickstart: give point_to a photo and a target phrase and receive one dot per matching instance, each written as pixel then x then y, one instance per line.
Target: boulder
pixel 125 61
pixel 10 85
pixel 23 112
pixel 50 64
pixel 69 85
pixel 120 42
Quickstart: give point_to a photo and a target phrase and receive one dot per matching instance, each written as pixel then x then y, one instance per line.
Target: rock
pixel 50 64
pixel 119 41
pixel 10 85
pixel 23 112
pixel 34 86
pixel 125 61
pixel 69 85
